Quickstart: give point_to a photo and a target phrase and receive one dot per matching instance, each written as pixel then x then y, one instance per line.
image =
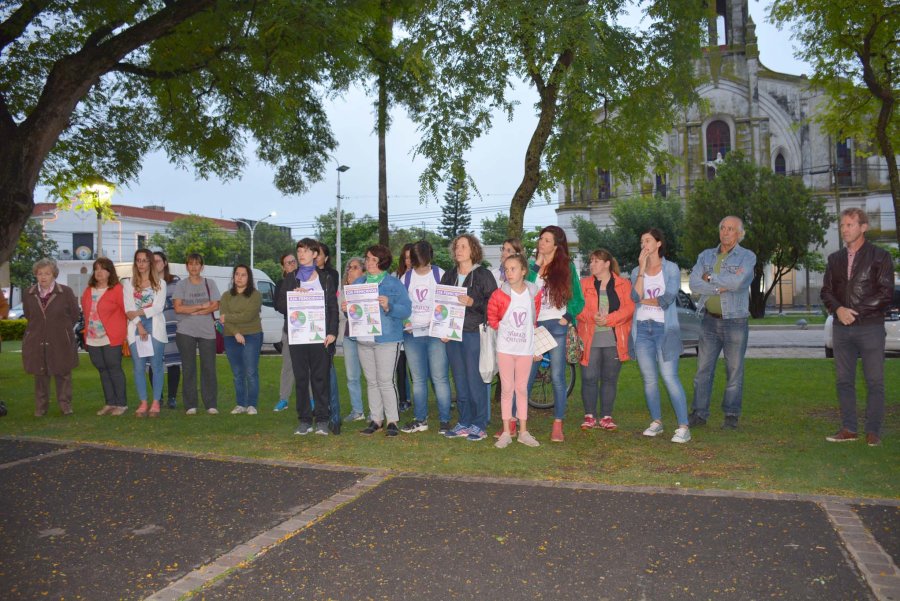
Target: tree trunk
pixel 531 179
pixel 24 147
pixel 386 37
pixel 758 298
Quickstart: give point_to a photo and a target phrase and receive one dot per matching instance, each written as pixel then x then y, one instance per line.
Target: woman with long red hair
pixel 555 274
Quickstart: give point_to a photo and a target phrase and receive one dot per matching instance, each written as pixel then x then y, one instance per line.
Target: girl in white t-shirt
pixel 512 311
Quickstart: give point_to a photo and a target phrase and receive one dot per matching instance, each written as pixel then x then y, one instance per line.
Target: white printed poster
pixel 449 314
pixel 363 310
pixel 306 317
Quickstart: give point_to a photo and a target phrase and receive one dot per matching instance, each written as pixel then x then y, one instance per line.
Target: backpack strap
pixel 407 277
pixel 435 271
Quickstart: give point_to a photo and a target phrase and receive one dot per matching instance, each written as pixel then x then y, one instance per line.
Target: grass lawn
pixel 789 408
pixel 772 318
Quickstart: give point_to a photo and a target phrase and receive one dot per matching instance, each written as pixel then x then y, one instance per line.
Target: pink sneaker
pixel 607 423
pixel 589 422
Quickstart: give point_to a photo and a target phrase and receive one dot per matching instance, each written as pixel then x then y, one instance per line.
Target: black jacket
pixel 868 292
pixel 329 281
pixel 480 285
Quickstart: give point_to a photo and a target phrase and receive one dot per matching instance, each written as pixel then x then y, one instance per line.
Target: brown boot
pixel 557 434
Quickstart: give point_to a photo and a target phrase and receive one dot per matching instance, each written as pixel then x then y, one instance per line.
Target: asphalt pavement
pixel 89 522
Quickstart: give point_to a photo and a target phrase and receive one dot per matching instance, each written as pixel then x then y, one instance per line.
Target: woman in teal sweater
pixel 554 272
pixel 239 311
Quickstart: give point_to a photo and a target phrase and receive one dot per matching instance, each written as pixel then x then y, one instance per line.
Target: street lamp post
pixel 340 169
pixel 252 229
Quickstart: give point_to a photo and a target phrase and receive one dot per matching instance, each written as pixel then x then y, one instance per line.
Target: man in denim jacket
pixel 722 276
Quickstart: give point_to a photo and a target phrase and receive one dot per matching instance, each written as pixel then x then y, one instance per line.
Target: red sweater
pixel 499 303
pixel 110 309
pixel 619 321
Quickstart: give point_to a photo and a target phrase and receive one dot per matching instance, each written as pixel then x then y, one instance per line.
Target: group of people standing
pixel 526 301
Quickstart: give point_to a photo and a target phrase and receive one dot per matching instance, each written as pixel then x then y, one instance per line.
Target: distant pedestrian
pixel 145 301
pixel 378 355
pixel 48 345
pixel 510 247
pixel 656 333
pixel 171 357
pixel 196 301
pixel 513 311
pixel 323 262
pixel 239 310
pixel 722 277
pixel 286 384
pixel 858 287
pixel 353 270
pixel 103 307
pixel 404 389
pixel 605 327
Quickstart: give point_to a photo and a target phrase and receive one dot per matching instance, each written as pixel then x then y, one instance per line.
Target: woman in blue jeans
pixel 355 269
pixel 239 311
pixel 145 301
pixel 554 272
pixel 472 394
pixel 655 334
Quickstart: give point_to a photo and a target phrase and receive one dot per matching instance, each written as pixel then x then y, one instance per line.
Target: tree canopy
pixel 196 234
pixel 88 88
pixel 31 246
pixel 854 51
pixel 782 220
pixel 456 218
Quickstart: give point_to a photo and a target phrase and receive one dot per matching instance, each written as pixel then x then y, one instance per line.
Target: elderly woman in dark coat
pixel 48 347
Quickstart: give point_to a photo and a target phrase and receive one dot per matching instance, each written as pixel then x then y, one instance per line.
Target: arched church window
pixel 780 165
pixel 718 140
pixel 842 169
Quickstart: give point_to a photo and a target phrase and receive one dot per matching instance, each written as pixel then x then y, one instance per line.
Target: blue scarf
pixel 304 272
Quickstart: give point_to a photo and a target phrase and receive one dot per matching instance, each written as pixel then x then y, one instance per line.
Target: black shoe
pixel 372 428
pixel 445 427
pixel 695 420
pixel 334 427
pixel 171 404
pixel 730 423
pixel 405 406
pixel 392 430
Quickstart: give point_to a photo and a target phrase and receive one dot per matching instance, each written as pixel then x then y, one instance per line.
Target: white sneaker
pixel 682 435
pixel 238 410
pixel 251 410
pixel 191 411
pixel 653 429
pixel 212 411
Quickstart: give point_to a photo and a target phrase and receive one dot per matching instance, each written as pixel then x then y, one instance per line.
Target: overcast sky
pixel 495 163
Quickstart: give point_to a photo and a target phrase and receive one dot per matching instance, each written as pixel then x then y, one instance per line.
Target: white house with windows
pixel 764 114
pixel 78 237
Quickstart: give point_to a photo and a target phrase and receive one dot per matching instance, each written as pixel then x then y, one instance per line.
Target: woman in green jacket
pixel 239 311
pixel 554 272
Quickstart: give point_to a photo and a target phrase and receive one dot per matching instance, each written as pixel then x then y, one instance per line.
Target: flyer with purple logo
pixel 449 314
pixel 363 310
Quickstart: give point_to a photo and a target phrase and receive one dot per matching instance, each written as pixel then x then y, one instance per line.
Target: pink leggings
pixel 514 372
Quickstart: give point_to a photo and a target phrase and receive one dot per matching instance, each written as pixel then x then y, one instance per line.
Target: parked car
pixel 688 320
pixel 16 312
pixel 891 327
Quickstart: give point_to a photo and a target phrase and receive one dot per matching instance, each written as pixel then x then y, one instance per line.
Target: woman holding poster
pixel 378 352
pixel 472 394
pixel 308 299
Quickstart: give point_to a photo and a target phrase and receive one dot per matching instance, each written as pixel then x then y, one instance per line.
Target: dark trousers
pixel 866 343
pixel 311 364
pixel 602 372
pixel 108 361
pixel 173 377
pixel 187 348
pixel 42 393
pixel 402 378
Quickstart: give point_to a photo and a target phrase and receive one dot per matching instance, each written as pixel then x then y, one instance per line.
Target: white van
pixel 272 320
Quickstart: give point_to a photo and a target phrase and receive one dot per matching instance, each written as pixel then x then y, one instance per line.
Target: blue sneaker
pixel 476 434
pixel 281 406
pixel 458 431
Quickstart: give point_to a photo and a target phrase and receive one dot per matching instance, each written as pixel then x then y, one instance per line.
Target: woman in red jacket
pixel 103 306
pixel 604 325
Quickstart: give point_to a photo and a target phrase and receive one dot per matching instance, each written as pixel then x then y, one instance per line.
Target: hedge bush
pixel 12 329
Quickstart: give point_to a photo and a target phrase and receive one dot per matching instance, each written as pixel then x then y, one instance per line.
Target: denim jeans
pixel 472 394
pixel 140 366
pixel 108 361
pixel 648 347
pixel 426 356
pixel 867 343
pixel 244 361
pixel 557 367
pixel 717 335
pixel 600 378
pixel 354 372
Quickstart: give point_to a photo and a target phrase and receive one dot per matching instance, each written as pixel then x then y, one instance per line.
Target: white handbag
pixel 487 358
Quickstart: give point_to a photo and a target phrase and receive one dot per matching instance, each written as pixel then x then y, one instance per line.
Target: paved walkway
pixel 83 521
